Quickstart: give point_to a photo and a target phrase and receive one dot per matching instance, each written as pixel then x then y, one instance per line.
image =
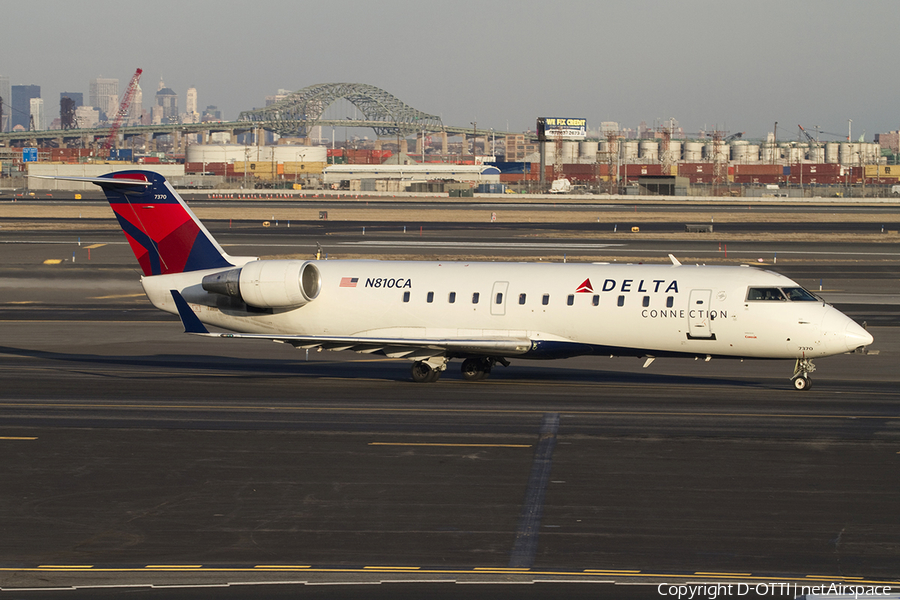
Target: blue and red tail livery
pixel 163 232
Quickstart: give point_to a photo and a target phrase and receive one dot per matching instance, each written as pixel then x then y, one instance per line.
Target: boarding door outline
pixel 499 293
pixel 699 325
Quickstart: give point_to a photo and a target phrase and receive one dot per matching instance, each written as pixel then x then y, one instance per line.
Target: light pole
pixel 474 140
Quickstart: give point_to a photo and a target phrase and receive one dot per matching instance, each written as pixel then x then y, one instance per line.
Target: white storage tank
pixel 549 153
pixel 849 154
pixel 693 152
pixel 753 153
pixel 569 152
pixel 709 150
pixel 587 151
pixel 817 154
pixel 674 151
pixel 740 151
pixel 649 150
pixel 832 152
pixel 629 151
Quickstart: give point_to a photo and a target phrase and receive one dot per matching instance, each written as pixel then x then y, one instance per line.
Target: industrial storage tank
pixel 740 152
pixel 870 153
pixel 549 153
pixel 693 152
pixel 794 153
pixel 674 151
pixel 709 150
pixel 629 151
pixel 817 154
pixel 569 152
pixel 832 152
pixel 649 150
pixel 849 154
pixel 587 152
pixel 770 153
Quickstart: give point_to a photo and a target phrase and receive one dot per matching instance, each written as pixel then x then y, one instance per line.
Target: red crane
pixel 123 110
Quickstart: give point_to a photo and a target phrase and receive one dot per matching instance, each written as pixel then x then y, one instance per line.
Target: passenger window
pixel 406 296
pixel 429 298
pixel 670 302
pixel 596 300
pixel 521 298
pixel 765 294
pixel 570 300
pixel 499 298
pixel 451 298
pixel 621 301
pixel 545 300
pixel 646 301
pixel 475 297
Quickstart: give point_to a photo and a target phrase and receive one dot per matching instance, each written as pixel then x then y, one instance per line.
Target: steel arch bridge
pixel 299 112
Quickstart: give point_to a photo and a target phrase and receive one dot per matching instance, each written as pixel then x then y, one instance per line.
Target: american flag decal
pixel 349 281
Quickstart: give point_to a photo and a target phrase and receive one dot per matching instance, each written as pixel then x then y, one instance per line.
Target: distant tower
pixel 136 109
pixel 21 104
pixel 67 113
pixel 103 95
pixel 36 106
pixel 192 115
pixel 191 104
pixel 167 101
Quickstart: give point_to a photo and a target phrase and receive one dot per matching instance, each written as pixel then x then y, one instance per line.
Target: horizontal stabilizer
pixel 190 321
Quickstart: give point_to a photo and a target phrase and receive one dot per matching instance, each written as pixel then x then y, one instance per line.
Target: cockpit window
pixel 765 294
pixel 798 294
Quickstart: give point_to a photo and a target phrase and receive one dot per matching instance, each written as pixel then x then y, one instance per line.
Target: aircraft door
pixel 699 323
pixel 498 298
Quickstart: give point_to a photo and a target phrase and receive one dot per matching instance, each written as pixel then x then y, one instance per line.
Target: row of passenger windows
pixel 545 299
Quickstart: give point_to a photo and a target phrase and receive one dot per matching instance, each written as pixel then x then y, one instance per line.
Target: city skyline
pixel 724 65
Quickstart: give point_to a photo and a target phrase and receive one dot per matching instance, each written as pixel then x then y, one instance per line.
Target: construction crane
pixel 122 112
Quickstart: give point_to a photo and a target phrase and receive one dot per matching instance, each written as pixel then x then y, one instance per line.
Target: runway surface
pixel 132 453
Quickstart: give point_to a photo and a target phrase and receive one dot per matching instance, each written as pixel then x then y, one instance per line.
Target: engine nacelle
pixel 268 283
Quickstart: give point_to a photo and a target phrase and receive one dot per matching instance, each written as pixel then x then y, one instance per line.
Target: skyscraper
pixel 104 96
pixel 21 104
pixel 167 101
pixel 36 110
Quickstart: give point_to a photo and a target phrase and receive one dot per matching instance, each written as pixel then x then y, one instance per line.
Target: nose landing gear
pixel 802 369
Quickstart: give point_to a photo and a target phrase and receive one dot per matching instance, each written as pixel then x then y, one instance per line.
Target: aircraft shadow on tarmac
pixel 194 365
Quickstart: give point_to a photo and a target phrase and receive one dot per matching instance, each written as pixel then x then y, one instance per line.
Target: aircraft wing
pixel 419 349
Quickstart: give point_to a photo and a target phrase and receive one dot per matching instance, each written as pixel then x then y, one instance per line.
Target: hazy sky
pixel 738 65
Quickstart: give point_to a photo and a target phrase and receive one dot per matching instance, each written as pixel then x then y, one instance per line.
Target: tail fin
pixel 164 234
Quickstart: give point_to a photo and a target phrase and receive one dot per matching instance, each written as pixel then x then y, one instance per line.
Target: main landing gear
pixel 428 371
pixel 802 369
pixel 473 368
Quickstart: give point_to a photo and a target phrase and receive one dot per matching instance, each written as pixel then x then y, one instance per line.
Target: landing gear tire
pixel 422 372
pixel 476 369
pixel 802 383
pixel 802 369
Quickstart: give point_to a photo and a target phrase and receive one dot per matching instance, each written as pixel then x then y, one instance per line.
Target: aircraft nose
pixel 855 336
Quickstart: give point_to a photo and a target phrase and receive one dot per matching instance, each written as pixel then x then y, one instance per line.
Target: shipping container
pixel 758 170
pixel 759 179
pixel 883 171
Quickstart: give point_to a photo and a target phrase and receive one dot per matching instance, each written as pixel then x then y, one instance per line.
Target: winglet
pixel 190 321
pixel 675 261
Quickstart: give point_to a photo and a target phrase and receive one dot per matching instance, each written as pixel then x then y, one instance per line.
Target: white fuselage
pixel 564 309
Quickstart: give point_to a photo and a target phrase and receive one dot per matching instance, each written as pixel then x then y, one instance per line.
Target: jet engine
pixel 268 283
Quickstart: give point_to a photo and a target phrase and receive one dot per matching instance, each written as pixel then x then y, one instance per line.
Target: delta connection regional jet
pixel 481 312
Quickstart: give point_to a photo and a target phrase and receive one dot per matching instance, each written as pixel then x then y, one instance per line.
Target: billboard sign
pixel 552 128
